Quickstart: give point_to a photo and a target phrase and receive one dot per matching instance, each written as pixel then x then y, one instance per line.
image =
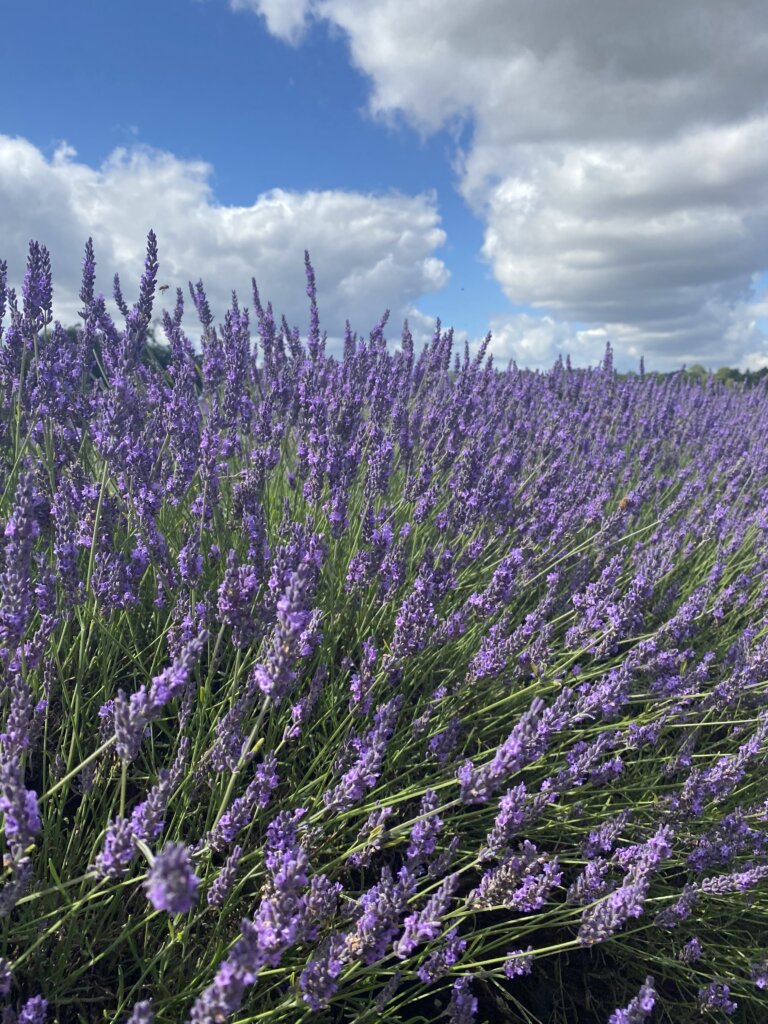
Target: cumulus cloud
pixel 618 152
pixel 536 342
pixel 383 259
pixel 286 19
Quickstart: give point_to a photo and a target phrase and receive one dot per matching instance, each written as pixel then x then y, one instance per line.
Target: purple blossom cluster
pixel 600 921
pixel 639 1008
pixel 522 882
pixel 172 884
pixel 365 770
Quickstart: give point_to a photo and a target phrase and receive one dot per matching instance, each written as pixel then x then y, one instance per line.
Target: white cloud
pixel 618 152
pixel 286 19
pixel 383 258
pixel 537 341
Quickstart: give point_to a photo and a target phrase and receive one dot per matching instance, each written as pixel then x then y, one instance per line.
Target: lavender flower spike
pixel 133 714
pixel 172 884
pixel 759 973
pixel 173 680
pixel 275 677
pixel 448 955
pixel 217 894
pixel 425 924
pixel 366 770
pixel 17 604
pixel 88 279
pixel 118 852
pixel 142 1013
pixel 716 996
pixel 34 1011
pixel 639 1008
pixel 518 963
pixel 6 977
pixel 19 805
pixel 463 1005
pixel 37 290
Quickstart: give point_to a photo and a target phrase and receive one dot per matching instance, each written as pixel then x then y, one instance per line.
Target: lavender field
pixel 394 687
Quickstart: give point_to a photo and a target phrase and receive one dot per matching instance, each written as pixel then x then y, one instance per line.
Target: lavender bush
pixel 380 688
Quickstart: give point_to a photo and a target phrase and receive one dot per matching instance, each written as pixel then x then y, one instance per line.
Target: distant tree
pixel 729 376
pixel 696 372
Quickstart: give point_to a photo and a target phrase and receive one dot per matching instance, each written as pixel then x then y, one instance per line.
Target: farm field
pixel 393 687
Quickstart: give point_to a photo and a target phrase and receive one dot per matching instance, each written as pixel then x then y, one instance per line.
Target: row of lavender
pixel 373 688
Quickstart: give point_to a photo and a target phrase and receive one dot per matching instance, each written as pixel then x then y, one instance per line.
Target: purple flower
pixel 34 1011
pixel 437 867
pixel 301 711
pixel 518 963
pixel 425 832
pixel 230 744
pixel 534 890
pixel 522 882
pixel 678 911
pixel 6 977
pixel 639 1008
pixel 371 835
pixel 18 732
pixel 590 884
pixel 314 343
pixel 463 1005
pixel 601 921
pixel 217 894
pixel 275 675
pixel 131 716
pixel 142 1013
pixel 237 593
pixel 224 995
pixel 691 951
pixel 21 530
pixel 706 786
pixel 425 924
pixel 419 725
pixel 448 955
pixel 716 996
pixel 281 915
pixel 388 992
pixel 601 840
pixel 119 850
pixel 736 881
pixel 172 884
pixel 37 290
pixel 525 744
pixel 512 814
pixel 19 805
pixel 365 772
pixel 361 683
pixel 148 817
pixel 379 916
pixel 318 980
pixel 173 680
pixel 759 973
pixel 416 617
pixel 500 589
pixel 720 844
pixel 88 279
pixel 443 743
pixel 241 812
pixel 322 901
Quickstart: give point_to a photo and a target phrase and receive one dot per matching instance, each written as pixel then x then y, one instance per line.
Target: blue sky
pixel 471 170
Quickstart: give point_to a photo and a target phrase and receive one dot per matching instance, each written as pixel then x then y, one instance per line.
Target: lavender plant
pixel 380 687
